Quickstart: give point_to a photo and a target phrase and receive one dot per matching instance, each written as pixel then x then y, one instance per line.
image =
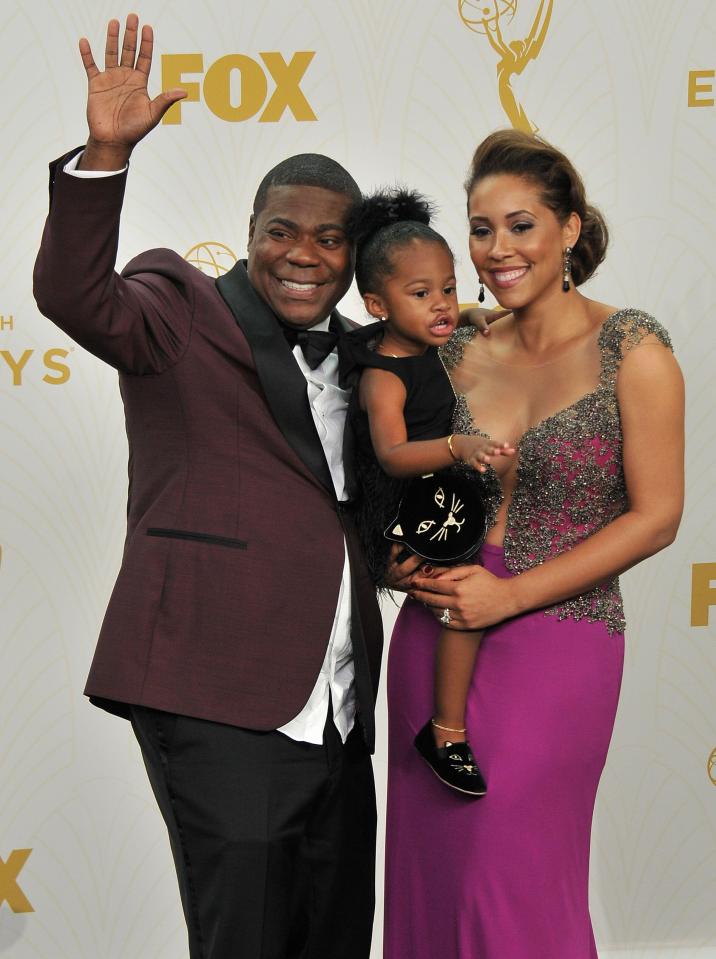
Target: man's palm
pixel 118 107
pixel 119 111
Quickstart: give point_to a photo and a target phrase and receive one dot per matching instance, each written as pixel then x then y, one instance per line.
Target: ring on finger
pixel 445 618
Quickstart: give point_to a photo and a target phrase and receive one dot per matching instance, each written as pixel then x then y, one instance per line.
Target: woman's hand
pixel 400 570
pixel 119 111
pixel 476 598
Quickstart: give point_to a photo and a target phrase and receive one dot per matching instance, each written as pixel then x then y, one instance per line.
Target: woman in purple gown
pixel 593 400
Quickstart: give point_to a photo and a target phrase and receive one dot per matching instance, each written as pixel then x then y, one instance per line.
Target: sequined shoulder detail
pixel 451 353
pixel 621 332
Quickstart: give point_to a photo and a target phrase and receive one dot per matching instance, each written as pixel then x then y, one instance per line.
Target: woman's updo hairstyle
pixel 525 155
pixel 387 221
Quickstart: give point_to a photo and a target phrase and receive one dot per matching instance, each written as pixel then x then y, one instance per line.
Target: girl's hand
pixel 476 598
pixel 477 451
pixel 481 318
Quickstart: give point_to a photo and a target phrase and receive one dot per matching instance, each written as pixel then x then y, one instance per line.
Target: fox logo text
pixel 236 87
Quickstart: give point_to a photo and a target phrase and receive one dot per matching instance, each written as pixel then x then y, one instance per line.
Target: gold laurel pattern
pixel 104 856
pixel 34 689
pixel 652 876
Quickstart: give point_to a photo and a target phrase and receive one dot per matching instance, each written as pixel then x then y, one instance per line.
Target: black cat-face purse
pixel 442 516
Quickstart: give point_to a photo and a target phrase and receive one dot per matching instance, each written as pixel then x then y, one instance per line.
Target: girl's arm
pixel 382 395
pixel 650 392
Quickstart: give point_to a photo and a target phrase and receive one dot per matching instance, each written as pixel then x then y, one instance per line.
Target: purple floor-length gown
pixel 504 877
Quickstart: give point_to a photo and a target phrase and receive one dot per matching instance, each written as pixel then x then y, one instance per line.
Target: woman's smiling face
pixel 516 242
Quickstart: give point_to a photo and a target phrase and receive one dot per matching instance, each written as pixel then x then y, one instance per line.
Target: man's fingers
pixel 144 60
pixel 129 44
pixel 161 103
pixel 112 44
pixel 87 58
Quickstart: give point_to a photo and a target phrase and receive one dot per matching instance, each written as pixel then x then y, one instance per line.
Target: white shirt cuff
pixel 71 168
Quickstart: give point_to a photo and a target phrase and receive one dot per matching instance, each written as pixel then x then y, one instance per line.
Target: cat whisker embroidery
pixel 442 533
pixel 441 517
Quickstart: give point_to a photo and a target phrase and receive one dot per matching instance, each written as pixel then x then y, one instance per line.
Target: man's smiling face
pixel 300 259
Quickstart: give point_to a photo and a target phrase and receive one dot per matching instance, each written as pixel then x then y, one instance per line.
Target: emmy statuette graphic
pixel 487 17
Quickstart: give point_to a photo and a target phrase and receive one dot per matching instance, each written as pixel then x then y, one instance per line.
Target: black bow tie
pixel 315 344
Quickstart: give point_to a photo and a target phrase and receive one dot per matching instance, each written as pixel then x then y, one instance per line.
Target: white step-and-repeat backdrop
pixel 395 90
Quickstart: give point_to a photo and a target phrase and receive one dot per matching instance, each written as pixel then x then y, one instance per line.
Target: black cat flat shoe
pixel 452 763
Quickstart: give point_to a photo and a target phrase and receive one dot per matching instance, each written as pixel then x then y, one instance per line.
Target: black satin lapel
pixel 282 381
pixel 350 371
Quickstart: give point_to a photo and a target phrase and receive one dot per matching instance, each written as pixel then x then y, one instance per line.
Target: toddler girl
pixel 400 420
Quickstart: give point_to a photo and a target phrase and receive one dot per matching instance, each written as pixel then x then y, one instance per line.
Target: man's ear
pixel 375 305
pixel 252 225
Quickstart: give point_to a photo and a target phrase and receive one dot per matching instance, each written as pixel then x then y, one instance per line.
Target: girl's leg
pixel 454 764
pixel 454 665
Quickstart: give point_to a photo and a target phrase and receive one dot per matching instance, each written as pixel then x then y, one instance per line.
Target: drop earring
pixel 567 269
pixel 481 294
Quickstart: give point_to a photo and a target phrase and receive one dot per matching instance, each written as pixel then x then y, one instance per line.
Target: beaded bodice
pixel 570 477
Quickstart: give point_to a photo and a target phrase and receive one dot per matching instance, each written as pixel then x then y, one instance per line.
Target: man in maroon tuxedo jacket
pixel 242 637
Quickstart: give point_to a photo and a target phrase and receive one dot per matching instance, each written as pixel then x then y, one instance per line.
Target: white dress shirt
pixel 329 405
pixel 71 167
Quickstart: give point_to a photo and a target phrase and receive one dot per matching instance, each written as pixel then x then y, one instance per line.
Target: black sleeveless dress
pixel 429 406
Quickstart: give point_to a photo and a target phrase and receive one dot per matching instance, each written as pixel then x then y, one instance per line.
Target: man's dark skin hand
pixel 119 111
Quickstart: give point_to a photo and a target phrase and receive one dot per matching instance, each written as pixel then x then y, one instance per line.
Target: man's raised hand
pixel 119 111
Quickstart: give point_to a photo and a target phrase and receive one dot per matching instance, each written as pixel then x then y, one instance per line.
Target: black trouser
pixel 273 840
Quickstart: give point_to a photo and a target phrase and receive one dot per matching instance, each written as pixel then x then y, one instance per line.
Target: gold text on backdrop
pixel 57 372
pixel 15 363
pixel 489 17
pixel 703 592
pixel 251 76
pixel 10 890
pixel 699 90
